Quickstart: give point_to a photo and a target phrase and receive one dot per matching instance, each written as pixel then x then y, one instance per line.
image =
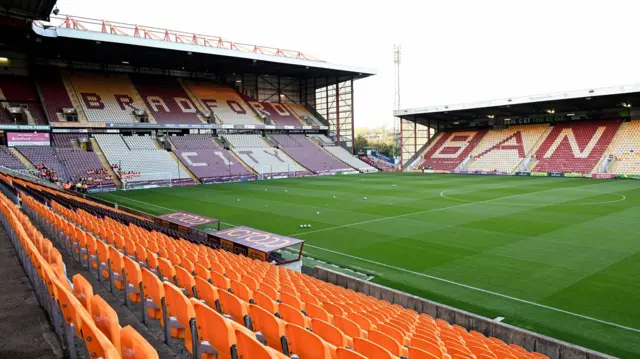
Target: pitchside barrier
pixel 554 349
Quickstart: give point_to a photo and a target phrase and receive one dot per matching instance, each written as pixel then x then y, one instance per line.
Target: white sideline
pixel 430 276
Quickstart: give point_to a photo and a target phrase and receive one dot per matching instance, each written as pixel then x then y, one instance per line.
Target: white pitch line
pixel 438 278
pixel 478 289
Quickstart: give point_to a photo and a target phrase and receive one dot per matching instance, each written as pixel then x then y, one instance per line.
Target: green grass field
pixel 557 256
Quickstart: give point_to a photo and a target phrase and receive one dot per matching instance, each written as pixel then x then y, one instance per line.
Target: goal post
pixel 148 180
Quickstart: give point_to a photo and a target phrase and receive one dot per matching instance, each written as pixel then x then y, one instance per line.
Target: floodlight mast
pixel 397 122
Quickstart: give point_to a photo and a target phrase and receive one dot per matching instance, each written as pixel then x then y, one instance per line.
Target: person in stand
pixel 85 187
pixel 78 186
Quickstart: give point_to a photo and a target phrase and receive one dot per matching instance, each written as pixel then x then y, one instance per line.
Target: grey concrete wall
pixel 554 349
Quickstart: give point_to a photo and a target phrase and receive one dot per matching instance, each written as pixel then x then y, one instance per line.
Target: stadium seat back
pixel 250 348
pixel 235 307
pixel 133 276
pixel 344 353
pixel 105 319
pixel 185 281
pixel 116 260
pixel 370 349
pixel 292 315
pixel 241 291
pixel 83 291
pixel 97 343
pixel 69 305
pixel 207 293
pixel 306 344
pixel 202 272
pixel 269 325
pixel 154 292
pixel 329 333
pixel 265 302
pixel 417 353
pixel 134 346
pixel 317 312
pixel 166 269
pixel 220 281
pixel 348 327
pixel 214 329
pixel 180 312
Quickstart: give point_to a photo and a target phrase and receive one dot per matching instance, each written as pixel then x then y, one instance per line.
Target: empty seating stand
pixel 503 150
pixel 309 154
pixel 451 149
pixel 20 91
pixel 54 94
pixel 224 102
pixel 166 99
pixel 209 162
pixel 627 151
pixel 106 97
pixel 138 154
pixel 575 147
pixel 262 158
pixel 8 160
pixel 346 157
pixel 278 112
pixel 47 156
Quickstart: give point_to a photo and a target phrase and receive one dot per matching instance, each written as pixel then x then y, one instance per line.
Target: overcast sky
pixel 453 51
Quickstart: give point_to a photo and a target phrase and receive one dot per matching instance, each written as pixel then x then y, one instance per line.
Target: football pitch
pixel 557 256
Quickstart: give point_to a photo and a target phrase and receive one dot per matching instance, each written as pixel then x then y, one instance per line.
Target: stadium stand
pixel 140 142
pixel 261 157
pixel 47 156
pixel 9 160
pixel 224 102
pixel 303 114
pixel 166 99
pixel 54 94
pixel 84 165
pixel 19 90
pixel 76 313
pixel 231 303
pixel 206 160
pixel 575 147
pixel 106 97
pixel 323 140
pixel 278 112
pixel 377 163
pixel 502 150
pixel 627 150
pixel 346 157
pixel 309 154
pixel 451 149
pixel 141 163
pixel 68 140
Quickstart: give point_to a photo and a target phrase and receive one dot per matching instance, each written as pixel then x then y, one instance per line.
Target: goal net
pixel 148 180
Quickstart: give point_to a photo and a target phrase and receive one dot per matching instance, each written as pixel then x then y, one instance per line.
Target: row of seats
pixel 219 302
pixel 71 305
